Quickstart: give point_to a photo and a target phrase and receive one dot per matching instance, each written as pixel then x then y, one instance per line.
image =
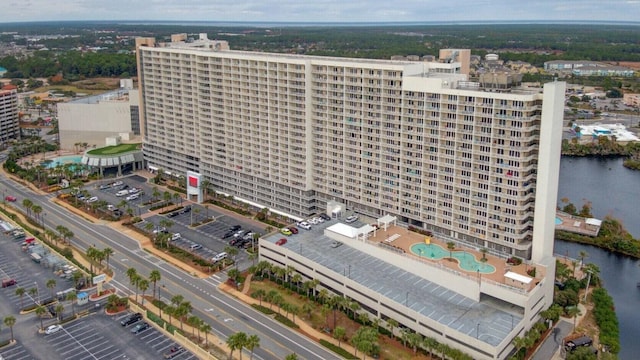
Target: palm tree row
pixel 363 340
pixel 98 255
pixel 240 340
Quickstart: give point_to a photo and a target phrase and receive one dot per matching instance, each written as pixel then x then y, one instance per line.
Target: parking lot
pixel 16 352
pixel 17 263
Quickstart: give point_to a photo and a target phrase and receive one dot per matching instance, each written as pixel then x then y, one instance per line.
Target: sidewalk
pixel 551 347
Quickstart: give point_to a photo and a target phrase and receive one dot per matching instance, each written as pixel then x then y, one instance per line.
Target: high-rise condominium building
pixel 416 140
pixel 8 114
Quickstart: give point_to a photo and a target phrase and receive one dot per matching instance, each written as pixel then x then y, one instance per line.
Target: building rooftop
pixel 120 95
pixel 489 321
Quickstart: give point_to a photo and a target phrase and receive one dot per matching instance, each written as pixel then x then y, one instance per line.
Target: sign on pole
pixel 99 278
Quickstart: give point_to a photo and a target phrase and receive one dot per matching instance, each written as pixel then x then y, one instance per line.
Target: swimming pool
pixel 558 221
pixel 61 160
pixel 466 260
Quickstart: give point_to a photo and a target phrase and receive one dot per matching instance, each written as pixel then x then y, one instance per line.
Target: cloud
pixel 321 10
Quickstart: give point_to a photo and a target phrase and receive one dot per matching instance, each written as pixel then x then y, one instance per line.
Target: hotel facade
pixel 411 139
pixel 474 162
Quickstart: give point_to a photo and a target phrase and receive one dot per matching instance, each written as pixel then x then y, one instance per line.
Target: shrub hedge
pixel 338 350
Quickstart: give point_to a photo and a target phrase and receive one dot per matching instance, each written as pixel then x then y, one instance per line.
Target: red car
pixel 293 230
pixel 281 242
pixel 10 198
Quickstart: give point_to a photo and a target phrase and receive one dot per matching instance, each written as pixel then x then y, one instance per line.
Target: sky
pixel 321 10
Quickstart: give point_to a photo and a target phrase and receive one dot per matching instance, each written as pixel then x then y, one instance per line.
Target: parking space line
pixel 113 352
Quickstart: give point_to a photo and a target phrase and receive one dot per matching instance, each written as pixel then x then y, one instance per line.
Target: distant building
pixel 588 68
pixel 617 132
pixel 95 118
pixel 8 114
pixel 462 56
pixel 631 100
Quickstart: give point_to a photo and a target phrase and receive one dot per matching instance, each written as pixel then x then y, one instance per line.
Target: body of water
pixel 612 190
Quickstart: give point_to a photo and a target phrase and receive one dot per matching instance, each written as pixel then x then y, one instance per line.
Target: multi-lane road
pixel 225 314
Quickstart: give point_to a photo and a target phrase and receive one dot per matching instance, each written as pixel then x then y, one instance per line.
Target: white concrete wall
pixel 104 118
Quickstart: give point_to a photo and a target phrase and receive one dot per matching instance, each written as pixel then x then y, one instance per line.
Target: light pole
pixel 586 290
pixel 478 331
pixel 37 292
pixel 406 299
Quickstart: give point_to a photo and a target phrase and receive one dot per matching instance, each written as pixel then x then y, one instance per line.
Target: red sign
pixel 193 181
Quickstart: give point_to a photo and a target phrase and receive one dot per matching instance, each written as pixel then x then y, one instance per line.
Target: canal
pixel 612 190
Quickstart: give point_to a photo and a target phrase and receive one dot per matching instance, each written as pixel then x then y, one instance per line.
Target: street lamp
pixel 37 292
pixel 478 331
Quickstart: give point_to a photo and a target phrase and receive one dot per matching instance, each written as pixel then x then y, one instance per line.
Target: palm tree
pixel 155 193
pixel 143 284
pixel 253 341
pixel 37 210
pixel 177 197
pixel 148 227
pixel 33 292
pixel 169 310
pixel 28 204
pixel 20 292
pixel 339 334
pixel 519 343
pixel 392 324
pixel 107 254
pixel 166 196
pixel 574 312
pixel 59 309
pixel 131 273
pixel 259 294
pixel 430 344
pixel 10 321
pixel 451 246
pixel 206 328
pixel 154 277
pixel 41 310
pixel 193 321
pixel 71 296
pixel 51 284
pixel 236 342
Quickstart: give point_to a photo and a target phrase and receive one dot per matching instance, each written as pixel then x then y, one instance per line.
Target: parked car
pixel 8 282
pixel 140 327
pixel 281 241
pixel 117 183
pixel 285 231
pixel 10 198
pixel 219 257
pixel 92 199
pixel 305 225
pixel 159 230
pixel 336 244
pixel 173 352
pixel 173 214
pixel 52 329
pixel 228 234
pixel 293 229
pixel 235 228
pixel 325 217
pixel 176 236
pixel 350 219
pixel 186 209
pixel 132 197
pixel 131 319
pixel 194 247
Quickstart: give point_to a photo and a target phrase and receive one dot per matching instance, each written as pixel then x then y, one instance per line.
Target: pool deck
pixel 576 224
pixel 403 239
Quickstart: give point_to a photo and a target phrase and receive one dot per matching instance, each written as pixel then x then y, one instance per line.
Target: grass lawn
pixel 389 348
pixel 111 150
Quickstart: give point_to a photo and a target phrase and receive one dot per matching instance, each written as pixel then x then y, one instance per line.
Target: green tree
pixel 291 357
pixel 107 253
pixel 451 246
pixel 339 333
pixel 9 321
pixel 236 342
pixel 253 341
pixel 206 329
pixel 154 277
pixel 573 312
pixel 20 292
pixel 40 311
pixel 51 284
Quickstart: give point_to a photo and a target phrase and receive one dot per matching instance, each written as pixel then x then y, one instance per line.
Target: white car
pixel 305 225
pixel 132 197
pixel 117 183
pixel 351 219
pixel 53 329
pixel 92 199
pixel 176 236
pixel 313 221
